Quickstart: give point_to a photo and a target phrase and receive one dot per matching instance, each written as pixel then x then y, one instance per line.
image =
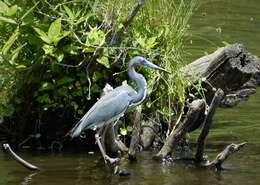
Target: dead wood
pixel 150 130
pixel 136 136
pixel 207 123
pixel 221 157
pixel 19 159
pixel 196 107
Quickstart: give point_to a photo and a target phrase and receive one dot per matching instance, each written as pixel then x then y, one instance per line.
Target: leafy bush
pixel 47 49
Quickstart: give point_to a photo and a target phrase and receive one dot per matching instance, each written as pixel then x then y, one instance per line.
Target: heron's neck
pixel 141 83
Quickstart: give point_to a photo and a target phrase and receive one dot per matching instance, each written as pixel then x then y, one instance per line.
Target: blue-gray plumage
pixel 115 103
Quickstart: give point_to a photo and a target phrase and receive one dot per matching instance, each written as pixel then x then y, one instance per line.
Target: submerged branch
pixel 19 159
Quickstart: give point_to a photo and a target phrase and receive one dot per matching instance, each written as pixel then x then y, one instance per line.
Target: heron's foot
pixel 112 160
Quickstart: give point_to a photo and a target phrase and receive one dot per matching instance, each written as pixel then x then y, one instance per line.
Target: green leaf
pixel 11 11
pixel 123 131
pixel 42 35
pixel 65 80
pixel 20 67
pixel 29 11
pixel 69 12
pixel 10 42
pixel 15 53
pixel 37 136
pixel 57 39
pixel 72 49
pixel 8 20
pixel 129 128
pixel 48 49
pixel 3 7
pixel 59 56
pixel 54 29
pixel 104 61
pixel 46 86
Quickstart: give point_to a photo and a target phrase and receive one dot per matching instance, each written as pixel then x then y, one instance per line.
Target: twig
pixel 19 159
pixel 207 123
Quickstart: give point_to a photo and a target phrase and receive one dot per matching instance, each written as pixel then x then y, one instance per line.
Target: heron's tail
pixel 75 131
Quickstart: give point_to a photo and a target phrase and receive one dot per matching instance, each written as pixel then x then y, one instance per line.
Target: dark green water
pixel 214 22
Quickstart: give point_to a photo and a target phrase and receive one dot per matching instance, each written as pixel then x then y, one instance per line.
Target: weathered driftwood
pixel 19 159
pixel 176 135
pixel 207 123
pixel 221 157
pixel 136 136
pixel 228 68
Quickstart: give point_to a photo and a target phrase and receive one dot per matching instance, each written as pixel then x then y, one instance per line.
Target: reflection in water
pixel 28 179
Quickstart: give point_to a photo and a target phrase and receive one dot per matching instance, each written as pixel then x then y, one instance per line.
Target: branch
pixel 207 123
pixel 196 107
pixel 221 157
pixel 116 37
pixel 19 159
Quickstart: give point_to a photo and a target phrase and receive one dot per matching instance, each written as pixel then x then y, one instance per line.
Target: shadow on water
pixel 214 22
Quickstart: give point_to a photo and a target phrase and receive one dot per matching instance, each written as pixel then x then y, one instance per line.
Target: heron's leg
pixel 97 137
pixel 100 145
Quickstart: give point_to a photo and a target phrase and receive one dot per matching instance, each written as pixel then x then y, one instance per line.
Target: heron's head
pixel 138 60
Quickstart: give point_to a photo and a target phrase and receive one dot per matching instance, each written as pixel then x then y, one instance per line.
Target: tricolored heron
pixel 114 104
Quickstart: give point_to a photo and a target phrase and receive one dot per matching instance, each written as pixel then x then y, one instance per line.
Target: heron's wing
pixel 106 109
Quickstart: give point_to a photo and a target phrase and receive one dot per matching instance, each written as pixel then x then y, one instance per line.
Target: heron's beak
pixel 153 66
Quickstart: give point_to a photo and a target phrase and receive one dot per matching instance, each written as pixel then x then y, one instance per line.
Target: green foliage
pixel 46 47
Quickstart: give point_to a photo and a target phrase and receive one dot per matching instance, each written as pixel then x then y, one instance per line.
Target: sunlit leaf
pixel 11 11
pixel 57 39
pixel 15 53
pixel 69 12
pixel 104 61
pixel 48 49
pixel 3 7
pixel 54 29
pixel 46 86
pixel 42 35
pixel 123 131
pixel 8 20
pixel 10 42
